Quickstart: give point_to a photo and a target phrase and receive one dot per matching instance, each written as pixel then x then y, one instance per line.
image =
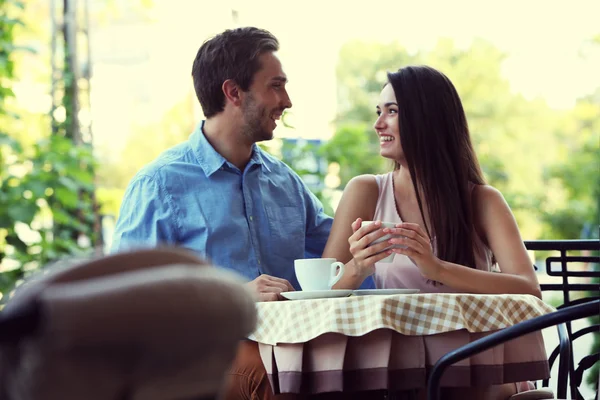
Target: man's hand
pixel 267 288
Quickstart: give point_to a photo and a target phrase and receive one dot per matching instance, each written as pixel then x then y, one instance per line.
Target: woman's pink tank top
pixel 401 272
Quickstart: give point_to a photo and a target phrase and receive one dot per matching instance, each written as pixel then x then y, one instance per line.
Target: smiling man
pixel 221 196
pixel 218 193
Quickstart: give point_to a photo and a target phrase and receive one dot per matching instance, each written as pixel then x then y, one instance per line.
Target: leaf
pixel 6 140
pixel 17 243
pixel 6 92
pixel 68 246
pixel 12 115
pixel 5 221
pixel 60 216
pixel 37 188
pixel 17 3
pixel 90 218
pixel 82 176
pixel 8 280
pixel 23 211
pixel 69 183
pixel 66 197
pixel 27 49
pixel 60 145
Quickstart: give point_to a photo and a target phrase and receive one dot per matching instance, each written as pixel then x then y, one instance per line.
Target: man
pixel 218 193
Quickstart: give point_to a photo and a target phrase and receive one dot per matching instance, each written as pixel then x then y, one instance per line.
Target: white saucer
pixel 366 292
pixel 316 294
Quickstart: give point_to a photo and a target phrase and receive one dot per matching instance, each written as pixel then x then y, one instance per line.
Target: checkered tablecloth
pixel 416 314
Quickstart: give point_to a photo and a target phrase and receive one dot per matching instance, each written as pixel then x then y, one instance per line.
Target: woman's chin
pixel 386 153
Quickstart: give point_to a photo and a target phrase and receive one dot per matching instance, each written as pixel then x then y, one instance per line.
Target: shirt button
pixel 251 218
pixel 258 262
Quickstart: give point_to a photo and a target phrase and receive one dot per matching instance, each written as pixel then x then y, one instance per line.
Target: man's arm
pixel 147 217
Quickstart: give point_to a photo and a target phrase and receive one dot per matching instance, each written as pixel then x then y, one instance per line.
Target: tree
pixel 355 149
pixel 40 178
pixel 506 128
pixel 572 206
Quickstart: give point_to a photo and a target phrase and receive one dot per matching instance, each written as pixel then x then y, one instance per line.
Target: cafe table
pixel 390 342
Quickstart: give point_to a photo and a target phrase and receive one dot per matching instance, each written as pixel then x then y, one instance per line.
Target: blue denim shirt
pixel 256 221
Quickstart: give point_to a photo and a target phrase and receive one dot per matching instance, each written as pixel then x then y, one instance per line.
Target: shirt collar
pixel 211 161
pixel 258 157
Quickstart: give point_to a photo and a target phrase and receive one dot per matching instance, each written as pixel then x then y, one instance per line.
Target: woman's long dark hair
pixel 437 148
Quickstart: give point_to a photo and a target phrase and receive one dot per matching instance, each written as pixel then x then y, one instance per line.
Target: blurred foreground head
pixel 147 325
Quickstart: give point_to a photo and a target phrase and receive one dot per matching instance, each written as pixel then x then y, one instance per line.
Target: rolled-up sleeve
pixel 147 218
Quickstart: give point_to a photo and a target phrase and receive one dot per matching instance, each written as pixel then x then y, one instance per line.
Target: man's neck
pixel 228 141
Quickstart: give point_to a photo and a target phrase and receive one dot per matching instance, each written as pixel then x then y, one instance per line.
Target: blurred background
pixel 91 90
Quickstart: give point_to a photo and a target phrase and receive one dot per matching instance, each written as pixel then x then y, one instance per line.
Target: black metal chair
pixel 561 257
pixel 569 377
pixel 565 315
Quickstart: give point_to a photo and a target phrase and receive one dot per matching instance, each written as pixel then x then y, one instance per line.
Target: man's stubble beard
pixel 254 115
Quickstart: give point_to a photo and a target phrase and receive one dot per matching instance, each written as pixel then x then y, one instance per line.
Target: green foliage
pixel 53 172
pixel 46 185
pixel 296 156
pixel 7 46
pixel 579 175
pixel 573 206
pixel 506 128
pixel 355 147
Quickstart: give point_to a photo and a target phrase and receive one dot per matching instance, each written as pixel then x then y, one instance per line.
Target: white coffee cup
pixel 387 237
pixel 318 273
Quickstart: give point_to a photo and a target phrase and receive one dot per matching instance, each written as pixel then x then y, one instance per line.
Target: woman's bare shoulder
pixel 485 196
pixel 367 181
pixel 490 209
pixel 363 187
pixel 360 196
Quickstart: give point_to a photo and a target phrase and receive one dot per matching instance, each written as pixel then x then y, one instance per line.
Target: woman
pixel 457 232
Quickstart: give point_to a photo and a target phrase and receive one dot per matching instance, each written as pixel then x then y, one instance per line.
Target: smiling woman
pixel 387 126
pixel 454 227
pixel 451 232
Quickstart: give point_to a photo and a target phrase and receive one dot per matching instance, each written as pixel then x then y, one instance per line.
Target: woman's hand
pixel 364 256
pixel 418 248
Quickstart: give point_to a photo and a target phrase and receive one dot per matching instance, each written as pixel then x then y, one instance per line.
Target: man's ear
pixel 232 92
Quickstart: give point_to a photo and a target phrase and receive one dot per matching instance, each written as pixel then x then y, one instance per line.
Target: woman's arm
pixel 358 202
pixel 499 228
pixel 496 223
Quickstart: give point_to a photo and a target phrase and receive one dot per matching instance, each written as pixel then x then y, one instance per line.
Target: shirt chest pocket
pixel 287 227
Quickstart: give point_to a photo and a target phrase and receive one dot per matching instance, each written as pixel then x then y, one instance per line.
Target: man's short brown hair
pixel 234 55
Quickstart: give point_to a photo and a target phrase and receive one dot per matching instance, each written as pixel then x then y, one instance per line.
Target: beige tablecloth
pixel 391 342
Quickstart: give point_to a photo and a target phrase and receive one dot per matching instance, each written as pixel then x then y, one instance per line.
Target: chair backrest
pixel 566 314
pixel 563 265
pixel 146 325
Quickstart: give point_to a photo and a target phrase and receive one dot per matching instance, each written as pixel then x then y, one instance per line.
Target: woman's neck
pixel 404 188
pixel 406 198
